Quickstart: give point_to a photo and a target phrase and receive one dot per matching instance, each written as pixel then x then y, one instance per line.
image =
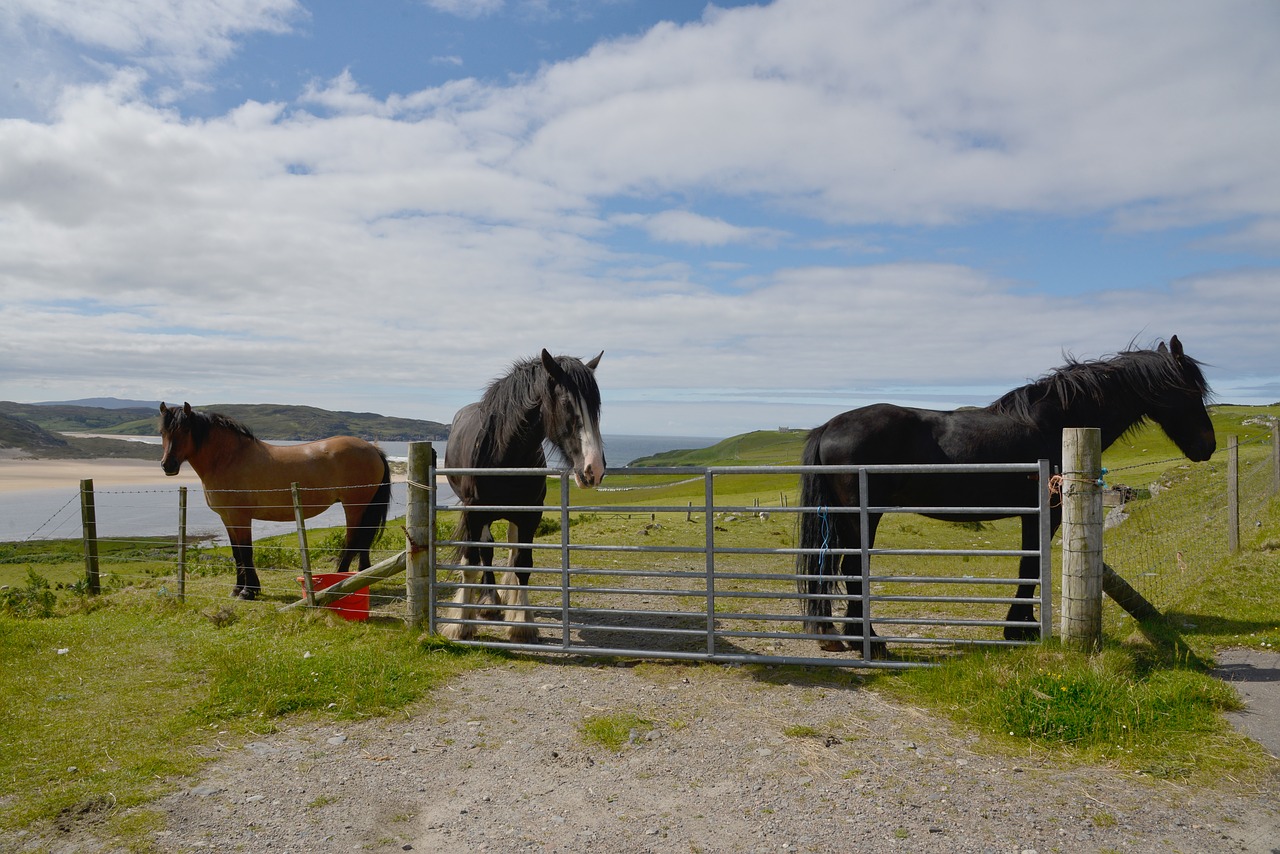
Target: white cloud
pixel 466 8
pixel 695 230
pixel 346 245
pixel 181 36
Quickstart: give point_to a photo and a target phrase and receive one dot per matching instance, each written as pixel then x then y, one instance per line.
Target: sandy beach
pixel 24 474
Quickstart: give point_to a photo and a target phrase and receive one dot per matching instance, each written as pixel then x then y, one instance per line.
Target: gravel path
pixel 733 763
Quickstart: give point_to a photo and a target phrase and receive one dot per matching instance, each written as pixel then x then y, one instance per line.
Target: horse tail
pixel 815 575
pixel 374 517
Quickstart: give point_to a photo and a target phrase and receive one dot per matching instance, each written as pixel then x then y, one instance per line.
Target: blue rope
pixel 826 539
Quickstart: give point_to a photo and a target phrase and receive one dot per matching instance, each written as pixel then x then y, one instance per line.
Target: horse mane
pixel 199 424
pixel 1143 374
pixel 508 402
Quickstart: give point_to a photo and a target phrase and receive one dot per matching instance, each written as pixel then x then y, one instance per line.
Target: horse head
pixel 175 434
pixel 1180 407
pixel 571 415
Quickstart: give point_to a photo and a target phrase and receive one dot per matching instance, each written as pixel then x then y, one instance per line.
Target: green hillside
pixel 268 421
pixel 1145 447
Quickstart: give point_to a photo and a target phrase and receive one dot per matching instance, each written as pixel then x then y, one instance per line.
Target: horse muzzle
pixel 170 468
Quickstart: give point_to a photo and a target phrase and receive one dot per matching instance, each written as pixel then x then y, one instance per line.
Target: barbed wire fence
pixel 197 567
pixel 1171 526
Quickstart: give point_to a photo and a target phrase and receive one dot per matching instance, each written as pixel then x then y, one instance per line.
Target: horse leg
pixel 466 598
pixel 856 623
pixel 520 616
pixel 247 585
pixel 357 543
pixel 1028 568
pixel 489 596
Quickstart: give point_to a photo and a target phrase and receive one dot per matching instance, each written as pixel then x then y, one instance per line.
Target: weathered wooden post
pixel 1082 537
pixel 182 544
pixel 1233 494
pixel 308 588
pixel 419 524
pixel 89 526
pixel 1275 456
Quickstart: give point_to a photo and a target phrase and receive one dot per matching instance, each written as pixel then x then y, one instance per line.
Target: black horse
pixel 549 398
pixel 1115 394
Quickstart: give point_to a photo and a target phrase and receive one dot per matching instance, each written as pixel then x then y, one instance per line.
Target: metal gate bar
pixel 569 619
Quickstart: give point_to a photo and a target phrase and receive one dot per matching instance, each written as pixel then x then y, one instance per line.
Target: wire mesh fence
pixel 1170 529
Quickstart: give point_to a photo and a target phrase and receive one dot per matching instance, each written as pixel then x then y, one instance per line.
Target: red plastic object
pixel 353 606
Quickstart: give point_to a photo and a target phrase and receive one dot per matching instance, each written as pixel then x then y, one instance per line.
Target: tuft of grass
pixel 614 731
pixel 1109 707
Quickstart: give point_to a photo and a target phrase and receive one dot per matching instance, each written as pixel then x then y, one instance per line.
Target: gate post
pixel 419 533
pixel 1082 537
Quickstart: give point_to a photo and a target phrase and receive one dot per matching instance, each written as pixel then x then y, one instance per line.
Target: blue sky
pixel 763 213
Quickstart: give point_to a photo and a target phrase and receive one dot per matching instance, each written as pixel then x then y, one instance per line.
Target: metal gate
pixel 716 582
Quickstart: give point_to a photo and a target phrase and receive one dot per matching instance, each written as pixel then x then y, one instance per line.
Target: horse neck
pixel 1114 413
pixel 219 450
pixel 517 440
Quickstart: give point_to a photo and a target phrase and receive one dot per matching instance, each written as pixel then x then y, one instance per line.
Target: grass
pixel 1118 707
pixel 106 707
pixel 614 731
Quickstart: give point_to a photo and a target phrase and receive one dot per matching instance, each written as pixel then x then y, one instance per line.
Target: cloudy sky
pixel 764 214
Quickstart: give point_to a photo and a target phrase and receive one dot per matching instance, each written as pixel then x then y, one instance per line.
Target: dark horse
pixel 1115 394
pixel 549 398
pixel 244 479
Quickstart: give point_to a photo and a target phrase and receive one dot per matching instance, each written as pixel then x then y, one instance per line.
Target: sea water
pixel 145 511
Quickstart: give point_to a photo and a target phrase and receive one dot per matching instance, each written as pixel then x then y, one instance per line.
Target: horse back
pixel 887 434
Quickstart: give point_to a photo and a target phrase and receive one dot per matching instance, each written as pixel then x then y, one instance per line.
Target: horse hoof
pixel 248 594
pixel 880 652
pixel 522 634
pixel 832 646
pixel 235 592
pixel 457 632
pixel 492 615
pixel 1021 633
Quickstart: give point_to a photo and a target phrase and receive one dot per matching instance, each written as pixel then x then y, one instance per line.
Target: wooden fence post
pixel 182 543
pixel 419 521
pixel 307 587
pixel 1275 456
pixel 1082 518
pixel 89 526
pixel 1233 494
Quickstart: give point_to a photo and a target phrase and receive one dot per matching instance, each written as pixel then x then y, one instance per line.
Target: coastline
pixel 22 475
pixel 26 474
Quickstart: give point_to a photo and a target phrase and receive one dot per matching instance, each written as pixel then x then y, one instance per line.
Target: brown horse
pixel 244 479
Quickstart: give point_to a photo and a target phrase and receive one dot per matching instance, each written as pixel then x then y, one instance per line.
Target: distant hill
pixel 34 428
pixel 22 438
pixel 104 403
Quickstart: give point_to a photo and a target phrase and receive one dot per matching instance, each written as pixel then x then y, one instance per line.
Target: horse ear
pixel 186 408
pixel 1176 347
pixel 163 408
pixel 1162 348
pixel 592 364
pixel 552 366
